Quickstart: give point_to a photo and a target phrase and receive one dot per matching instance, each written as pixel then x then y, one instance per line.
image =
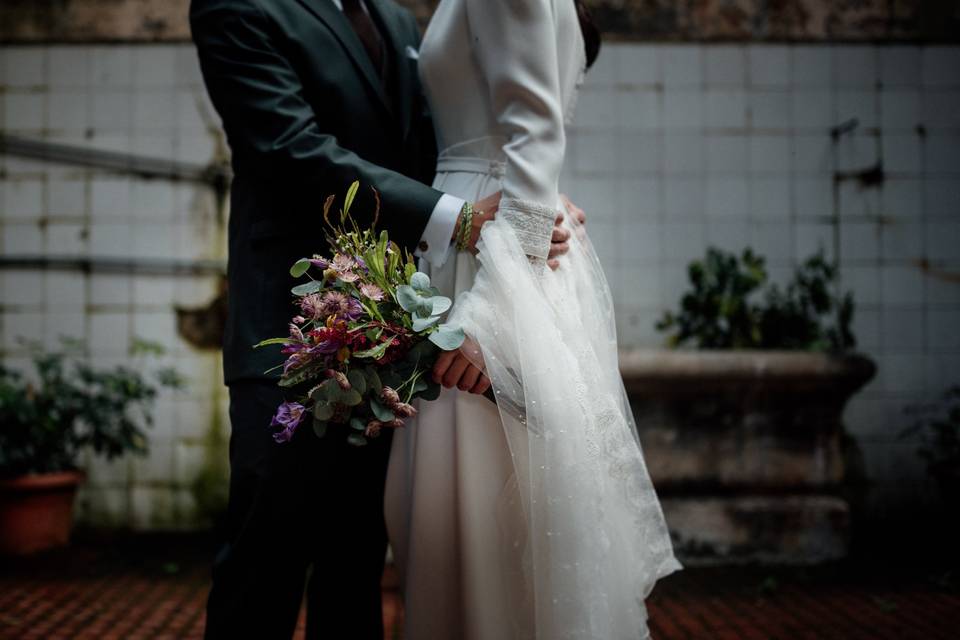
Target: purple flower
pixel 289 415
pixel 319 262
pixel 338 304
pixel 311 305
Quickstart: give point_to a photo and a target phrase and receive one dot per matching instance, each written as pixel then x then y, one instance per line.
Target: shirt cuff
pixel 434 245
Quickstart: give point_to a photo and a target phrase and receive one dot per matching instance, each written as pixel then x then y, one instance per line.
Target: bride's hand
pixel 457 369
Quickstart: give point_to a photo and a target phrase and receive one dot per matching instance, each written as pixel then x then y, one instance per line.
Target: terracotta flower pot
pixel 36 511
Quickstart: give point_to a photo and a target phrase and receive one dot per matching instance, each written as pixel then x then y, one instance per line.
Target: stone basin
pixel 747 449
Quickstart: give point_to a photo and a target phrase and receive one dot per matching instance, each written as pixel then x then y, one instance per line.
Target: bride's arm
pixel 515 45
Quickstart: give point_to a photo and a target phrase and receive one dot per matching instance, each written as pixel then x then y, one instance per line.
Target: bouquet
pixel 366 335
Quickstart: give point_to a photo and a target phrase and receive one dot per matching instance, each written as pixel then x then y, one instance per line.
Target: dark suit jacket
pixel 306 114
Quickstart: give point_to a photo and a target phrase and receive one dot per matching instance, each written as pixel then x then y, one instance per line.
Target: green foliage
pixel 937 425
pixel 731 305
pixel 69 406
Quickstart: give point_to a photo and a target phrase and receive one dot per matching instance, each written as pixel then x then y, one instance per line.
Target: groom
pixel 313 95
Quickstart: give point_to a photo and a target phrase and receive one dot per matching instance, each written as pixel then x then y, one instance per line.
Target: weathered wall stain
pixel 657 20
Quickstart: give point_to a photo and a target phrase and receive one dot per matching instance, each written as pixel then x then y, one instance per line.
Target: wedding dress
pixel 534 518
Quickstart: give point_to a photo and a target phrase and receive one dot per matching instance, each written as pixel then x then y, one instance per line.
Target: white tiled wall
pixel 677 147
pixel 674 148
pixel 146 100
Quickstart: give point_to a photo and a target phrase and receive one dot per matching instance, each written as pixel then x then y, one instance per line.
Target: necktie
pixel 367 32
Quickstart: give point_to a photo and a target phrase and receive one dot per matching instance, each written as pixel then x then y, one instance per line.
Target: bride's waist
pixel 480 155
pixel 467 164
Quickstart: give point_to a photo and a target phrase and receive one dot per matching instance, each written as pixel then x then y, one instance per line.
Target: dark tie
pixel 366 31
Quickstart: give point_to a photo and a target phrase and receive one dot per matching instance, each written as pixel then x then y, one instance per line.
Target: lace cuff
pixel 532 222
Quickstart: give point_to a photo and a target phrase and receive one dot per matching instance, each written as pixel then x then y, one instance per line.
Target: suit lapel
pixel 330 15
pixel 390 29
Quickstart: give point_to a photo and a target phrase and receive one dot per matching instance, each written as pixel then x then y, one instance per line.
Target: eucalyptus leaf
pixel 423 351
pixel 320 428
pixel 448 338
pixel 420 385
pixel 420 324
pixel 357 439
pixel 307 288
pixel 425 307
pixel 373 380
pixel 357 380
pixel 420 281
pixel 441 304
pixel 300 267
pixel 381 411
pixel 326 391
pixel 322 411
pixel 408 298
pixel 350 397
pixel 391 379
pixel 432 392
pixel 358 424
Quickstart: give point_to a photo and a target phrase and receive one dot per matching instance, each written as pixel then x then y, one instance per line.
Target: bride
pixel 532 517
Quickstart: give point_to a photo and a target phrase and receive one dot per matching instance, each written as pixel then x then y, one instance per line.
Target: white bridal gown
pixel 534 518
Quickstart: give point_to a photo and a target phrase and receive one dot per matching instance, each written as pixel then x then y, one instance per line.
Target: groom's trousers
pixel 304 516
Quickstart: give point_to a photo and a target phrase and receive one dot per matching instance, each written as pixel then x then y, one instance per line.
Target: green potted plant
pixel 936 427
pixel 741 418
pixel 48 419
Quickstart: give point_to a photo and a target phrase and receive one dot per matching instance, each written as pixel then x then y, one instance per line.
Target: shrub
pixel 731 305
pixel 70 406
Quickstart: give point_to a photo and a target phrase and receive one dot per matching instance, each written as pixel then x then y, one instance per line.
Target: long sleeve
pixel 266 114
pixel 515 43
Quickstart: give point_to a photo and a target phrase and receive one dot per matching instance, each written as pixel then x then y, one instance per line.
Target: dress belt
pixel 465 164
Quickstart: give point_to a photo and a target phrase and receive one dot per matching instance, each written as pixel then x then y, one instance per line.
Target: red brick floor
pixel 154 588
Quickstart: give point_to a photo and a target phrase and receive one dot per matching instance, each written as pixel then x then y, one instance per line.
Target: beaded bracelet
pixel 466 227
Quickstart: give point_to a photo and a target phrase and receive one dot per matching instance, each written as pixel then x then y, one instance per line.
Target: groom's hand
pixel 453 369
pixel 560 242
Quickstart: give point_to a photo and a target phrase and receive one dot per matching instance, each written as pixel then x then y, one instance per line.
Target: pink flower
pixel 340 377
pixel 372 291
pixel 373 429
pixel 343 263
pixel 295 332
pixel 344 266
pixel 405 410
pixel 389 397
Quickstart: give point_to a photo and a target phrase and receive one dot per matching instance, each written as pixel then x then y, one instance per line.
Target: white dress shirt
pixel 434 245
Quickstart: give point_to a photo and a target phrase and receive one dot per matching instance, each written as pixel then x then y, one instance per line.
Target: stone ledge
pixel 650 370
